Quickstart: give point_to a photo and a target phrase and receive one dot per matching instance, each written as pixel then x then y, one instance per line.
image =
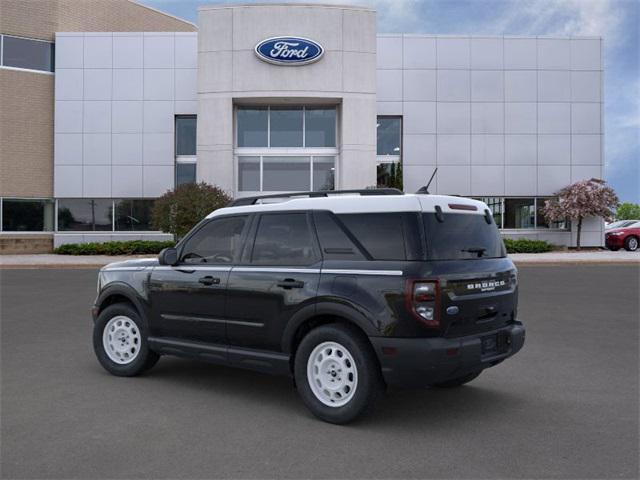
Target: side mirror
pixel 168 256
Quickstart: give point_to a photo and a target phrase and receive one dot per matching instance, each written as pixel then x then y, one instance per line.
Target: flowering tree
pixel 586 198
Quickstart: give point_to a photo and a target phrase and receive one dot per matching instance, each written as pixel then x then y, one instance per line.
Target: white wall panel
pixel 419 117
pixel 454 149
pixel 585 86
pixel 98 51
pixel 158 51
pixel 96 117
pixel 419 52
pixel 96 181
pixel 487 180
pixel 389 85
pixel 487 53
pixel 126 181
pixel 97 84
pixel 521 85
pixel 554 54
pixel 68 84
pixel 127 51
pixel 389 52
pixel 453 117
pixel 520 149
pixel 454 86
pixel 520 118
pixel 453 52
pixel 586 150
pixel 156 180
pixel 487 85
pixel 520 180
pixel 419 85
pixel 586 54
pixel 68 149
pixel 96 149
pixel 520 53
pixel 585 118
pixel 419 149
pixel 127 117
pixel 68 116
pixel 454 180
pixel 158 149
pixel 554 149
pixel 554 86
pixel 552 178
pixel 487 117
pixel 158 117
pixel 126 149
pixel 69 51
pixel 158 84
pixel 128 84
pixel 487 149
pixel 554 118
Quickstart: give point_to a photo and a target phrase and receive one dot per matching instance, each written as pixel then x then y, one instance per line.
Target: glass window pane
pixel 320 127
pixel 185 173
pixel 252 126
pixel 324 169
pixel 542 222
pixel 216 242
pixel 389 132
pixel 389 175
pixel 82 214
pixel 22 215
pixel 519 213
pixel 381 234
pixel 286 126
pixel 284 174
pixel 249 174
pixel 133 215
pixel 283 239
pixel 25 53
pixel 461 236
pixel 495 206
pixel 186 135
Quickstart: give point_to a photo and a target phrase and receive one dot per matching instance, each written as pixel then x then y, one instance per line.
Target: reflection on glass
pixel 541 220
pixel 186 135
pixel 26 53
pixel 389 175
pixel 324 173
pixel 252 126
pixel 389 132
pixel 286 127
pixel 185 173
pixel 495 206
pixel 27 215
pixel 133 215
pixel 249 174
pixel 519 213
pixel 286 174
pixel 320 127
pixel 84 215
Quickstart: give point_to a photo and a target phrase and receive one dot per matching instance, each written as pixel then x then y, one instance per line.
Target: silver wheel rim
pixel 332 374
pixel 121 340
pixel 633 244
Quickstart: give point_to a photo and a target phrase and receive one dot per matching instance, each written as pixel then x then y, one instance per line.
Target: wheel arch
pixel 118 293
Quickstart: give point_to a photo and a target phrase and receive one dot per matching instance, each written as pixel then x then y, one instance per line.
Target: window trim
pixel 247 257
pixel 29 70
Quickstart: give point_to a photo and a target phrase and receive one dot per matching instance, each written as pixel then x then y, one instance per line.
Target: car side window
pixel 283 239
pixel 218 242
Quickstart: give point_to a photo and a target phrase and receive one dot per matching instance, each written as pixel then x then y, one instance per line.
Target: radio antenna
pixel 425 189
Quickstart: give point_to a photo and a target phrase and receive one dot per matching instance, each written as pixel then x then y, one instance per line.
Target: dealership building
pixel 107 105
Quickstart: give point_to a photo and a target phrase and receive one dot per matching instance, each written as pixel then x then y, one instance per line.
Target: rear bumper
pixel 418 362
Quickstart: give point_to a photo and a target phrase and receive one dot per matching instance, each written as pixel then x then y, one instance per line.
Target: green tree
pixel 628 211
pixel 178 211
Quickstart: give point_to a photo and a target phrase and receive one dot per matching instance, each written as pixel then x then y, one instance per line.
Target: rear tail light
pixel 423 301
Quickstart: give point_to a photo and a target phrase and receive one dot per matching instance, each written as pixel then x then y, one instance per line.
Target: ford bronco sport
pixel 347 292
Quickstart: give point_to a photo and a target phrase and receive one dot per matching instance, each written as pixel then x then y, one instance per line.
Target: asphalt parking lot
pixel 565 407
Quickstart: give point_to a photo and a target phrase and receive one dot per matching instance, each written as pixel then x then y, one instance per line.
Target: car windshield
pixel 462 236
pixel 622 224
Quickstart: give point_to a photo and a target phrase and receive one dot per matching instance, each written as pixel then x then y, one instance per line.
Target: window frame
pixel 22 69
pixel 249 247
pixel 246 230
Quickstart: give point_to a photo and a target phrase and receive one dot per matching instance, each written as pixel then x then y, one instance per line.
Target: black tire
pixel 144 359
pixel 631 243
pixel 369 387
pixel 457 382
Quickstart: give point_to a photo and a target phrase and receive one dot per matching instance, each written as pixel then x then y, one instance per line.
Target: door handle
pixel 209 280
pixel 289 283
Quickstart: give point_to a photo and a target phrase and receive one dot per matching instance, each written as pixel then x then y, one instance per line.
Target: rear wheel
pixel 457 382
pixel 631 244
pixel 120 341
pixel 337 374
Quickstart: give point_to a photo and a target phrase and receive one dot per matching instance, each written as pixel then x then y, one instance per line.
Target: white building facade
pixel 510 120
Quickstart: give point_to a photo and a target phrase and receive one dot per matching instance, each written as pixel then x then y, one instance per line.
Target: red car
pixel 627 237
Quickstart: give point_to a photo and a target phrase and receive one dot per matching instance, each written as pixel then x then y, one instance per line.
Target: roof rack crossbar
pixel 324 193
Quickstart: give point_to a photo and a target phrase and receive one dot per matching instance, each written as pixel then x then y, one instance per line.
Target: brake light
pixel 423 301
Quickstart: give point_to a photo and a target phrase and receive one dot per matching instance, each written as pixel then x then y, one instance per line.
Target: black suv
pixel 346 292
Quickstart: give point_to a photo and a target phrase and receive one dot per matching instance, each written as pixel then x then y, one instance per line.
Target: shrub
pixel 178 211
pixel 132 247
pixel 524 245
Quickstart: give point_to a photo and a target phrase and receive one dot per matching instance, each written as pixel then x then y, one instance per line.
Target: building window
pixel 286 127
pixel 27 215
pixel 186 140
pixel 495 206
pixel 389 152
pixel 286 148
pixel 274 173
pixel 519 213
pixel 85 215
pixel 542 222
pixel 26 53
pixel 133 215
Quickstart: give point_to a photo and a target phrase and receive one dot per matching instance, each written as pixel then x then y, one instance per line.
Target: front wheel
pixel 120 341
pixel 631 244
pixel 337 374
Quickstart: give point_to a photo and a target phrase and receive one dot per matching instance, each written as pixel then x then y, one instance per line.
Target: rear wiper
pixel 479 250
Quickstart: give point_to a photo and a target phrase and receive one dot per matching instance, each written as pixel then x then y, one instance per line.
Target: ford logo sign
pixel 289 51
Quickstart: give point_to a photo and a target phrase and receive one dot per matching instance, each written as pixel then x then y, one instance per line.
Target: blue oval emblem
pixel 289 50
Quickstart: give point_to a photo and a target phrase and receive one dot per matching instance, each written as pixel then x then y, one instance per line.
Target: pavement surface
pixel 565 407
pixel 88 261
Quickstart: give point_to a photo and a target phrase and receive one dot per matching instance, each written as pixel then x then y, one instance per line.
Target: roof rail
pixel 325 193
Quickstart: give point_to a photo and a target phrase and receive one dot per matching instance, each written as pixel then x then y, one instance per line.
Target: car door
pixel 188 300
pixel 278 275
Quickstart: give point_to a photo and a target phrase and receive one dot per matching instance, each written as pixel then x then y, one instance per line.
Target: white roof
pixel 354 203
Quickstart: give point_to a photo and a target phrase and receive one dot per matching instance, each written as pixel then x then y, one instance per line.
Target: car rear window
pixel 461 236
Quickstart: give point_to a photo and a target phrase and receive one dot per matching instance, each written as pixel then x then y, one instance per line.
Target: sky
pixel 617 21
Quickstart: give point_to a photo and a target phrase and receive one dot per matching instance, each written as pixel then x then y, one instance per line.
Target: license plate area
pixel 496 343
